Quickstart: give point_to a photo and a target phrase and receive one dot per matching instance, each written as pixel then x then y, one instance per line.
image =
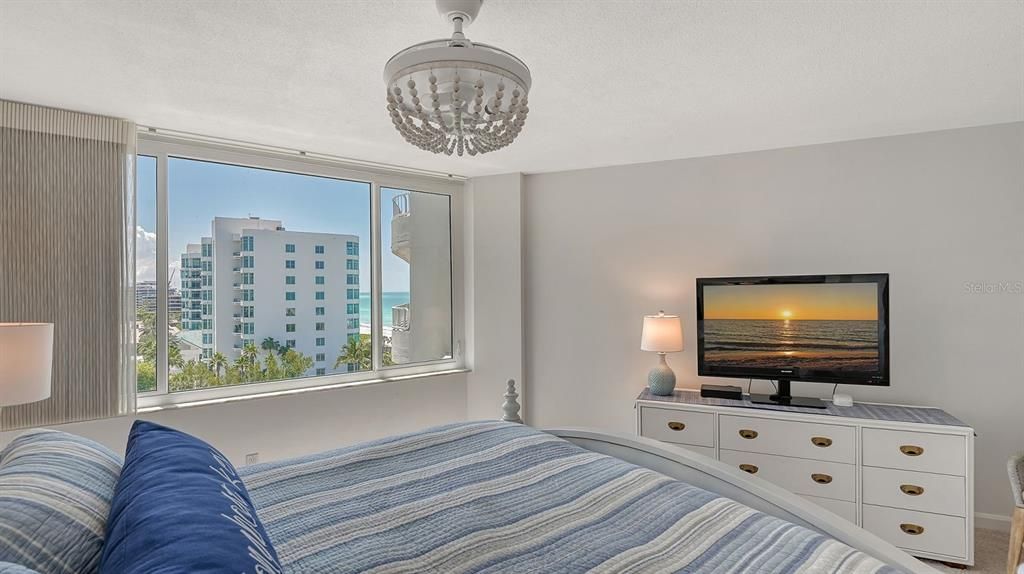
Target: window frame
pixel 164 146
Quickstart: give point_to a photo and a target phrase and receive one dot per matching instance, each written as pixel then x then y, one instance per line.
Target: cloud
pixel 145 258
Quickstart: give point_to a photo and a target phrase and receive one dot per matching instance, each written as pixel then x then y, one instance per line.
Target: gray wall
pixel 937 211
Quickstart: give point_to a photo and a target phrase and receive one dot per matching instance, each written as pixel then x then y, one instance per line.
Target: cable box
pixel 721 392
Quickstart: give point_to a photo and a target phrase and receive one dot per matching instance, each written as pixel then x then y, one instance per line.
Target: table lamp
pixel 662 334
pixel 26 362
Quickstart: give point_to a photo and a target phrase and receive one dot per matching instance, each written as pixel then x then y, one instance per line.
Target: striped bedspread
pixel 498 497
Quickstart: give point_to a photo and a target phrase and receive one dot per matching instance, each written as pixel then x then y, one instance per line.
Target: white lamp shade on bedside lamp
pixel 662 334
pixel 26 362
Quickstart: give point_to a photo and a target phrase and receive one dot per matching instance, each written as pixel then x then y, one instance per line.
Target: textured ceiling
pixel 614 81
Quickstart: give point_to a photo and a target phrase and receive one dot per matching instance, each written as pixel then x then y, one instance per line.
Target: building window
pixel 320 327
pixel 208 245
pixel 289 328
pixel 321 372
pixel 289 280
pixel 321 357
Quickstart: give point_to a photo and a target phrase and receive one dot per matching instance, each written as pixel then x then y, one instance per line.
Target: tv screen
pixel 819 328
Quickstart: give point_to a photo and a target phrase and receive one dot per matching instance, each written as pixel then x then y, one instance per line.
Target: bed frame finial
pixel 511 405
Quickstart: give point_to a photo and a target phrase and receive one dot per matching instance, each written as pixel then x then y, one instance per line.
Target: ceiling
pixel 615 82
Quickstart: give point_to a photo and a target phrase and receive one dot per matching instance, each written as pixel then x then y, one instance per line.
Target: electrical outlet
pixel 252 458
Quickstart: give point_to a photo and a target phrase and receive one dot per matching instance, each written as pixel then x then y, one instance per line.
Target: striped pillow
pixel 55 493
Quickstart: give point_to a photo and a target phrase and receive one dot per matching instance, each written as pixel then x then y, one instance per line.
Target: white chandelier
pixel 456 96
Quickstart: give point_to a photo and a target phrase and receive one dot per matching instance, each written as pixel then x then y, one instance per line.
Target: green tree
pixel 219 362
pixel 295 364
pixel 272 369
pixel 247 364
pixel 357 351
pixel 270 344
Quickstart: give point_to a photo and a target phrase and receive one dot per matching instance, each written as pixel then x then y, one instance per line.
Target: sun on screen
pixel 786 313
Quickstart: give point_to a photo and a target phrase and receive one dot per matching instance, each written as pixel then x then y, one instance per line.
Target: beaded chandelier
pixel 455 96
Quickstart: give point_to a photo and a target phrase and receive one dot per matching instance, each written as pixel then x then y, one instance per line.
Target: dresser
pixel 903 473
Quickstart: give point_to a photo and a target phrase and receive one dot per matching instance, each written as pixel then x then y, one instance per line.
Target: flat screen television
pixel 810 328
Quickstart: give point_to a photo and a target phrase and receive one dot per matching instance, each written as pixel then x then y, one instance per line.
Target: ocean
pixel 775 344
pixel 388 300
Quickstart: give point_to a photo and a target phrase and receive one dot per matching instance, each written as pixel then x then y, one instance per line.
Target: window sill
pixel 146 404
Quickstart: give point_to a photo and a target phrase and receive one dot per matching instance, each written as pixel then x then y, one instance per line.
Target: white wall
pixel 494 292
pixel 293 425
pixel 936 210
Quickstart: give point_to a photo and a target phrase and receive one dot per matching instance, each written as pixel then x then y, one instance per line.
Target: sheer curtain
pixel 67 220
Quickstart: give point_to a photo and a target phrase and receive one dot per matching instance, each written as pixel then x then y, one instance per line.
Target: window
pixel 321 372
pixel 214 201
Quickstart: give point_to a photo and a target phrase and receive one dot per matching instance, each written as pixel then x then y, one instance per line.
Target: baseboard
pixel 992 521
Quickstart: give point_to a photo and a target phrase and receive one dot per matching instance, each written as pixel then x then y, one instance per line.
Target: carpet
pixel 990 550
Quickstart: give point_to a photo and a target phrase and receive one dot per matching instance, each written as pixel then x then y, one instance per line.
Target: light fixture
pixel 26 362
pixel 662 334
pixel 456 96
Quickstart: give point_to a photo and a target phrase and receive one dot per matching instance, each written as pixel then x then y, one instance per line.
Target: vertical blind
pixel 67 220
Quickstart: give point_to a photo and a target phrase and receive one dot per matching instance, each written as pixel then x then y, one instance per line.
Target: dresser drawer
pixel 921 531
pixel 920 451
pixel 787 438
pixel 922 491
pixel 678 426
pixel 809 477
pixel 842 508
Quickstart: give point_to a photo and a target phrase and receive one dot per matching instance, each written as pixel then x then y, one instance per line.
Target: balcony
pixel 401 224
pixel 401 320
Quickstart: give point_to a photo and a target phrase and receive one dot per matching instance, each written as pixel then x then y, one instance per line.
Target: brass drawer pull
pixel 912 529
pixel 747 433
pixel 912 489
pixel 821 441
pixel 821 478
pixel 676 425
pixel 912 450
pixel 748 468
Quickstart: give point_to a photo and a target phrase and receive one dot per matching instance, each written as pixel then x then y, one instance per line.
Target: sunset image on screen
pixel 830 326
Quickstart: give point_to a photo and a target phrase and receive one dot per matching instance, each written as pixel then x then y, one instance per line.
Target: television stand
pixel 783 398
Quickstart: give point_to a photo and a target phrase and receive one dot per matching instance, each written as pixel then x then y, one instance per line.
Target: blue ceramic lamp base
pixel 661 380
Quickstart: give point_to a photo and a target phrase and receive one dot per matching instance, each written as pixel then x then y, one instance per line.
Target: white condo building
pixel 252 279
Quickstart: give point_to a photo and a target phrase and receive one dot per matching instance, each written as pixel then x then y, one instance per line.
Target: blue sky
pixel 199 191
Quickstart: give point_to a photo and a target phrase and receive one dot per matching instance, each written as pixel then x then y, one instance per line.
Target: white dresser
pixel 904 473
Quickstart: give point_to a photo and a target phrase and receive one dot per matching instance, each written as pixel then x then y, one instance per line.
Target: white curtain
pixel 67 221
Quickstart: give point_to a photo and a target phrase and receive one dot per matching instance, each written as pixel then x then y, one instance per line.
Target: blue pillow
pixel 55 493
pixel 179 506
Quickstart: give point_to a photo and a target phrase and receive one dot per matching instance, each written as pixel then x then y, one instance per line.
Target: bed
pixel 494 496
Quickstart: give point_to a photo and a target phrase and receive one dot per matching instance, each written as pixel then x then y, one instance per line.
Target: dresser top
pixel 871 411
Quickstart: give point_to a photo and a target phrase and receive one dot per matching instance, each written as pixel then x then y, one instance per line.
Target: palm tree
pixel 246 362
pixel 270 344
pixel 358 351
pixel 218 362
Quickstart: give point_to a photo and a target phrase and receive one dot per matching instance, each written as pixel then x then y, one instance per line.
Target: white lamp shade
pixel 662 334
pixel 26 362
